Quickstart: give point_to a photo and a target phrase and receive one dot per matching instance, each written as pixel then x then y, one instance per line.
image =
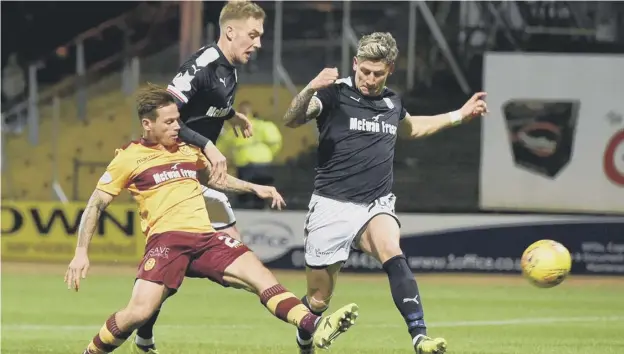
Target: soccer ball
pixel 546 263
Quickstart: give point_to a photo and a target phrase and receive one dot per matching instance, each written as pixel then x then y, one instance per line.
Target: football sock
pixel 145 336
pixel 406 296
pixel 285 306
pixel 145 344
pixel 108 339
pixel 304 338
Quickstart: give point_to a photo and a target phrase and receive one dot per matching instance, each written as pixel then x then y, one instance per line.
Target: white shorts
pixel 219 208
pixel 333 227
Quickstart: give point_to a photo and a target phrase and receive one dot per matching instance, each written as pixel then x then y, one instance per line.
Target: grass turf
pixel 477 314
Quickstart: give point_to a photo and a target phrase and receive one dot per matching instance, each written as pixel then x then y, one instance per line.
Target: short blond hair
pixel 240 10
pixel 378 46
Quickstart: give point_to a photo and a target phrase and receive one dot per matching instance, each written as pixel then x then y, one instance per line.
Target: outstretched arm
pixel 235 185
pixel 230 184
pixel 98 202
pixel 420 126
pixel 79 265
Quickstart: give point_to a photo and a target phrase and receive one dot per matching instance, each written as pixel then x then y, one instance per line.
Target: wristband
pixel 456 117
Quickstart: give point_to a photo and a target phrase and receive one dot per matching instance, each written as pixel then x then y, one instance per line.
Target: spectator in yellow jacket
pixel 253 156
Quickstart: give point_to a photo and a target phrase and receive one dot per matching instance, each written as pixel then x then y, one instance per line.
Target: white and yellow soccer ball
pixel 546 263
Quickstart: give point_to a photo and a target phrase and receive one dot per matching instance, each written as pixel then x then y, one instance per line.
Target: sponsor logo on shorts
pixel 149 264
pixel 158 252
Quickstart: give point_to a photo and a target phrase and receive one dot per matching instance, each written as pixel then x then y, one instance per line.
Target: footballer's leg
pixel 380 239
pixel 163 268
pixel 227 261
pixel 144 340
pixel 146 298
pixel 321 281
pixel 222 214
pixel 329 230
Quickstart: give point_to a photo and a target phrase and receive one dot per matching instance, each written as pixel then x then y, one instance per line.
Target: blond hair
pixel 240 10
pixel 150 98
pixel 377 46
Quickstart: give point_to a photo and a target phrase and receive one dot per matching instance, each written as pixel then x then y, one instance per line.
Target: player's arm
pixel 88 225
pixel 110 185
pixel 98 202
pixel 235 185
pixel 306 105
pixel 231 184
pixel 421 126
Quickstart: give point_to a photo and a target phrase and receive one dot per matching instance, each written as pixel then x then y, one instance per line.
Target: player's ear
pixel 146 124
pixel 355 63
pixel 229 32
pixel 391 69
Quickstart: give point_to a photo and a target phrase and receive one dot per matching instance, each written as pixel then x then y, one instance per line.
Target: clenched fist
pixel 325 78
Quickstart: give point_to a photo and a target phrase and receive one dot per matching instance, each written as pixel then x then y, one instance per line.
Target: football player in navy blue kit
pixel 352 204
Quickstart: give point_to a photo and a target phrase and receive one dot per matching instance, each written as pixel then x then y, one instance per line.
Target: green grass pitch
pixel 476 314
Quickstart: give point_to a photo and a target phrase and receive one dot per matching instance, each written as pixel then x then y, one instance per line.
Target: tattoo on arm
pixel 231 185
pixel 90 218
pixel 302 109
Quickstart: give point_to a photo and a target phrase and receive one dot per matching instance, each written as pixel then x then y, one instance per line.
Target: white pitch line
pixel 452 324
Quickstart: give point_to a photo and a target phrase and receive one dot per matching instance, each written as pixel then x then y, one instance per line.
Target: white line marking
pixel 509 322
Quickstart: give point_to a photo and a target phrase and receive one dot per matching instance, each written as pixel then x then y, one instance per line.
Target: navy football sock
pixel 405 295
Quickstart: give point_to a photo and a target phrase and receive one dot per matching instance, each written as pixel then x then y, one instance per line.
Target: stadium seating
pixel 85 147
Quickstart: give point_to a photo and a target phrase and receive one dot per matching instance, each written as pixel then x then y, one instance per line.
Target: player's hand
pixel 474 107
pixel 240 121
pixel 325 78
pixel 218 168
pixel 77 269
pixel 269 192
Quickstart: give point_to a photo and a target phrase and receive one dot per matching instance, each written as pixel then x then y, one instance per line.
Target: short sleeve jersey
pixel 164 183
pixel 357 137
pixel 204 89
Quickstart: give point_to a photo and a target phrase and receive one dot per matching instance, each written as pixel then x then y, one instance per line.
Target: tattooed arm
pixel 302 109
pixel 235 185
pixel 88 222
pixel 231 184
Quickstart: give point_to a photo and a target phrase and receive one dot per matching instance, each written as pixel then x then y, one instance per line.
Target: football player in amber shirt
pixel 164 177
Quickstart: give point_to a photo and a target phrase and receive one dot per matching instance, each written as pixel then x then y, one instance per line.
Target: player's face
pixel 164 130
pixel 246 38
pixel 371 76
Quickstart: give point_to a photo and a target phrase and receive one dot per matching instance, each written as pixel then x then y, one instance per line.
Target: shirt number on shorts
pixel 228 241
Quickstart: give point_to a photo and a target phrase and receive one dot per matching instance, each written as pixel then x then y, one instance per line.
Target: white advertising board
pixel 554 138
pixel 453 242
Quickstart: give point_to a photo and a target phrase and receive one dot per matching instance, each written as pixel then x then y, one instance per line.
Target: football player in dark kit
pixel 352 204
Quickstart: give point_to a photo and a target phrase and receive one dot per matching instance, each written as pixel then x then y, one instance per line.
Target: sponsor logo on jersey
pixel 175 172
pixel 218 112
pixel 372 125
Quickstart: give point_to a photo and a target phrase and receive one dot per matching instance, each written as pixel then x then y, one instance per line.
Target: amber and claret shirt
pixel 164 184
